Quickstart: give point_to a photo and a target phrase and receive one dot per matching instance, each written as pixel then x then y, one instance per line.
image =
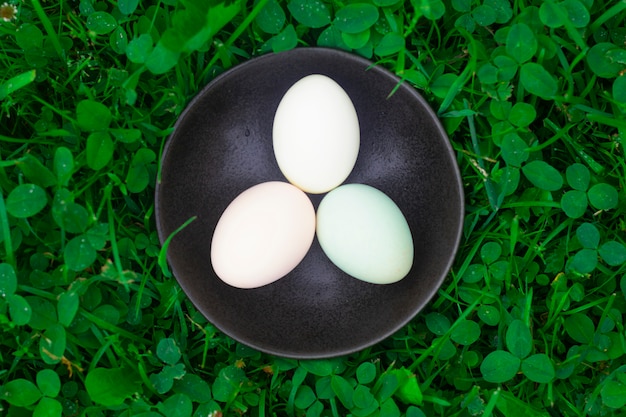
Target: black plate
pixel 222 145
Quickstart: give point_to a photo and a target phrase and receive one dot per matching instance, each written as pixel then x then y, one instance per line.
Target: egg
pixel 315 134
pixel 364 233
pixel 262 235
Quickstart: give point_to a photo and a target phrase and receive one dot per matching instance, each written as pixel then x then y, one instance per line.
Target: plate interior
pixel 222 145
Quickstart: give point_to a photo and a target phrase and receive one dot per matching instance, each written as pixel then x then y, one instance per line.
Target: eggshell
pixel 364 233
pixel 262 235
pixel 316 134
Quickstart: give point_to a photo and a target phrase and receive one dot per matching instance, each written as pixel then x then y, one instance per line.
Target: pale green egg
pixel 364 233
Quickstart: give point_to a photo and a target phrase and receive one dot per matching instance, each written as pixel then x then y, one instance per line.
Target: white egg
pixel 263 234
pixel 316 135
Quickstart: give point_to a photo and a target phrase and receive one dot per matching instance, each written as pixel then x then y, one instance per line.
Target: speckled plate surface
pixel 222 145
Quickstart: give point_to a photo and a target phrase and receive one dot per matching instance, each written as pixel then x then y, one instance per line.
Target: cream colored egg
pixel 316 135
pixel 262 235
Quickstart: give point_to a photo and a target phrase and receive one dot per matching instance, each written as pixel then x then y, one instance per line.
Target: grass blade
pixel 163 253
pixel 458 84
pixel 609 14
pixel 491 192
pixel 6 232
pixel 19 81
pixel 49 29
pixel 237 33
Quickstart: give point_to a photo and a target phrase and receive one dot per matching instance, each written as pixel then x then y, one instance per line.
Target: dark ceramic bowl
pixel 222 145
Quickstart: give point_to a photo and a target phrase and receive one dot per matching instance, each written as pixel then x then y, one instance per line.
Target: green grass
pixel 530 321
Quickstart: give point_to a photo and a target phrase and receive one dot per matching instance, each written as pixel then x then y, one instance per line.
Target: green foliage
pixel 521 44
pixel 499 366
pixel 312 13
pixel 614 390
pixel 538 81
pixel 601 59
pixel 101 22
pixel 20 392
pixel 26 200
pixel 530 321
pixel 356 17
pixel 110 387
